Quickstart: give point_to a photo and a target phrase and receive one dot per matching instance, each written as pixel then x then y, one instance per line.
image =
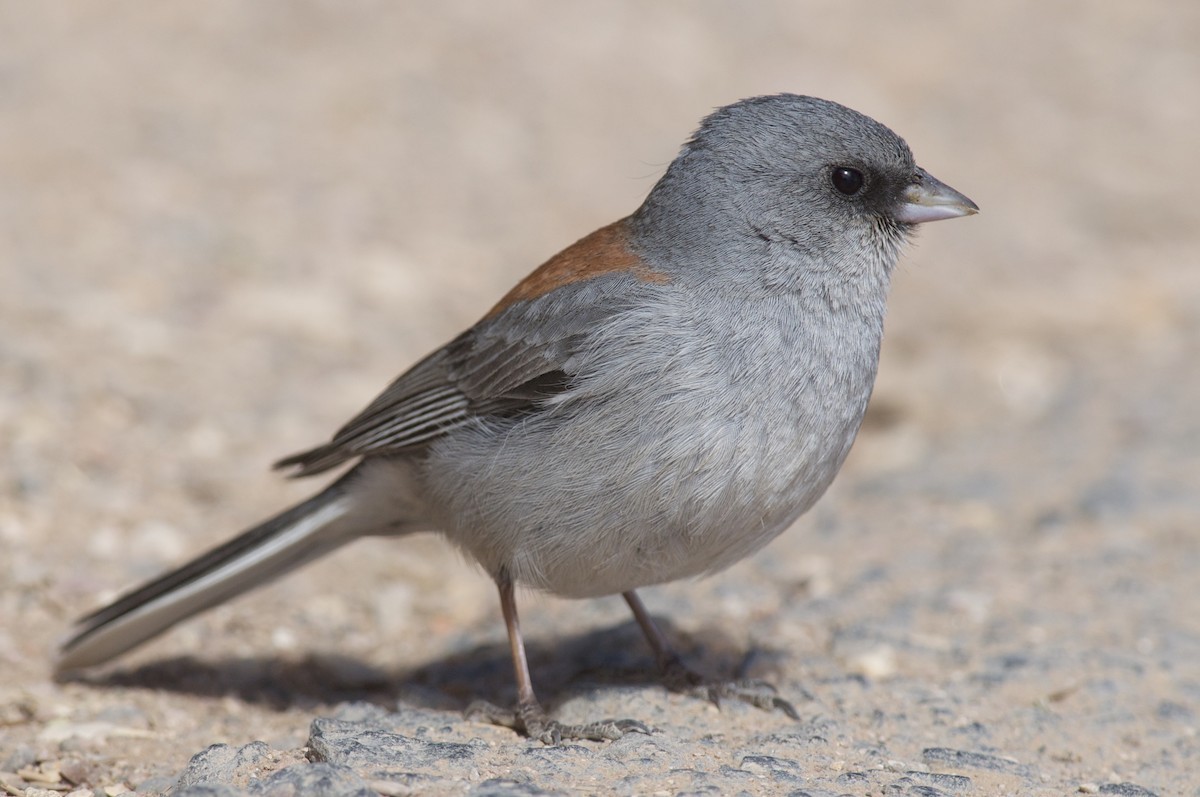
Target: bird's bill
pixel 929 199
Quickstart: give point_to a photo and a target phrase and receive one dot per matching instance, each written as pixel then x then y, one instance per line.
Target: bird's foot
pixel 680 678
pixel 533 721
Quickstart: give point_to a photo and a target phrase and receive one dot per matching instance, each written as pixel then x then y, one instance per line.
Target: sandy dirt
pixel 224 227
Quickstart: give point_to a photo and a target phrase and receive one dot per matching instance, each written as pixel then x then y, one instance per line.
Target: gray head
pixel 796 173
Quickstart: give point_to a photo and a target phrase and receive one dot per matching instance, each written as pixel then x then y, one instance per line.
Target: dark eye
pixel 848 181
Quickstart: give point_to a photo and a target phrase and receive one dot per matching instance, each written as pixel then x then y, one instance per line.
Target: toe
pixel 483 711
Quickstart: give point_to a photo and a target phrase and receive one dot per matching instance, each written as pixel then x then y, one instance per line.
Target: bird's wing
pixel 509 363
pixel 468 378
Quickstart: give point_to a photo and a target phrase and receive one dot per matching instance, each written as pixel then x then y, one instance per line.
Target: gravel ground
pixel 223 227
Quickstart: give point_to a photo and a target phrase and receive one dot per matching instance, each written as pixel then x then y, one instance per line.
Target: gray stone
pixel 709 790
pixel 941 780
pixel 640 750
pixel 853 779
pixel 159 784
pixel 945 756
pixel 906 786
pixel 384 754
pixel 22 756
pixel 504 787
pixel 313 780
pixel 209 790
pixel 1126 790
pixel 221 763
pixel 771 766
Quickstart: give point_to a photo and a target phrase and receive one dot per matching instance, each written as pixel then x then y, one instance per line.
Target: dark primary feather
pixel 476 375
pixel 419 405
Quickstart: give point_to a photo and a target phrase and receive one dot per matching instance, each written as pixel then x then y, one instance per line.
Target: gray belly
pixel 677 463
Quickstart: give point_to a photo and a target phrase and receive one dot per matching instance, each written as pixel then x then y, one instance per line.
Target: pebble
pixel 222 763
pixel 772 767
pixel 954 783
pixel 20 757
pixel 11 783
pixel 384 754
pixel 302 780
pixel 876 664
pixel 947 757
pixel 503 787
pixel 1126 790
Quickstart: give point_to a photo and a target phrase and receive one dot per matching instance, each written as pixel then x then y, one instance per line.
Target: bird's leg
pixel 530 718
pixel 681 678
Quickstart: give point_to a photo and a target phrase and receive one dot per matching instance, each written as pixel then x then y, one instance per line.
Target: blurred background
pixel 225 226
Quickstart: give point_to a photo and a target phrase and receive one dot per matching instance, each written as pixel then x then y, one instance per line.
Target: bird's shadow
pixel 561 667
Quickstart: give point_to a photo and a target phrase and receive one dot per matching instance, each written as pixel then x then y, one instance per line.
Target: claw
pixel 787 708
pixel 633 726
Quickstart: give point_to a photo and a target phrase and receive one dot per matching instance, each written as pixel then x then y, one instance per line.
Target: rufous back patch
pixel 603 252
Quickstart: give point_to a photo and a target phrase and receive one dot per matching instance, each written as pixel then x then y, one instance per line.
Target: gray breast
pixel 695 435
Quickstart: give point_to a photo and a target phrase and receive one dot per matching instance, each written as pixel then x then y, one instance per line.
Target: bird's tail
pixel 253 558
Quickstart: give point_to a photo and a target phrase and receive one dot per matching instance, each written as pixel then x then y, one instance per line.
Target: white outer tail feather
pixel 295 544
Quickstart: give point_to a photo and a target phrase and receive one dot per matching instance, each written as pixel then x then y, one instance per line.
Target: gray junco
pixel 658 400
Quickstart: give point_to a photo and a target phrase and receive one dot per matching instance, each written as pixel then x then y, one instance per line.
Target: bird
pixel 655 402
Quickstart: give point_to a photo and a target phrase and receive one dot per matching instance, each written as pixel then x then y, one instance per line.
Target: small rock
pixel 701 791
pixel 641 750
pixel 46 773
pixel 738 776
pixel 556 755
pixel 876 664
pixel 948 757
pixel 10 783
pixel 772 766
pixel 209 790
pixel 159 784
pixel 853 779
pixel 78 770
pixel 22 756
pixel 222 763
pixel 382 753
pixel 1126 790
pixel 503 787
pixel 313 780
pixel 941 780
pixel 915 789
pixel 925 791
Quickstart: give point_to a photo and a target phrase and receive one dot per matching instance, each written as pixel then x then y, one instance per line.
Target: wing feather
pixel 488 371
